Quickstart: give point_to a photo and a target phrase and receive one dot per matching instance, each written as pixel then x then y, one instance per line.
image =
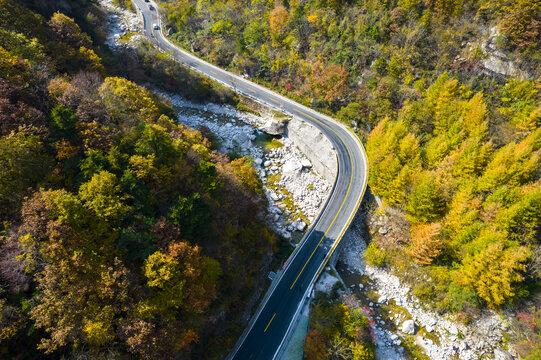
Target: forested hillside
pixel 359 57
pixel 123 234
pixel 454 146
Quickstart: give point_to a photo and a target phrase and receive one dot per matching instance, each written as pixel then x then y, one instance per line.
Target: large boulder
pixel 500 354
pixel 408 327
pixel 292 168
pixel 275 126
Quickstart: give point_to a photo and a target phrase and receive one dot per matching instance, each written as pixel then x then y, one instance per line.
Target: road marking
pixel 339 210
pixel 272 318
pixel 276 101
pixel 213 72
pixel 252 90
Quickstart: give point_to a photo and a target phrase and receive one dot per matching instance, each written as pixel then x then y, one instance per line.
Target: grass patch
pixel 414 351
pixel 242 106
pixel 127 36
pixel 288 201
pixel 273 179
pixel 279 115
pixel 267 142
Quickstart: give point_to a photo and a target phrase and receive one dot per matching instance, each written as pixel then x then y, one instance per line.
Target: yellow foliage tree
pixel 494 271
pixel 278 19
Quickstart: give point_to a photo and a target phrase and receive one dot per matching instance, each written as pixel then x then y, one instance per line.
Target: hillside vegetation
pixel 123 234
pixel 457 151
pixel 356 58
pixel 454 148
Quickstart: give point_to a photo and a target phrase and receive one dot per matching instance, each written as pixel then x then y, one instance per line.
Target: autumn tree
pixel 495 272
pixel 425 243
pixel 314 346
pixel 278 19
pixel 103 195
pixel 328 84
pixel 66 30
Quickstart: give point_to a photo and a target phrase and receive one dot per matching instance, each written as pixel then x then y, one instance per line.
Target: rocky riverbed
pixel 294 190
pixel 119 23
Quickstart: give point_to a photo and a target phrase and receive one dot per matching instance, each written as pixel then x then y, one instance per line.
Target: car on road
pixel 147 0
pixel 150 7
pixel 155 27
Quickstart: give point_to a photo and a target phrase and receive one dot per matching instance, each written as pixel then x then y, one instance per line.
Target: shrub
pixel 375 255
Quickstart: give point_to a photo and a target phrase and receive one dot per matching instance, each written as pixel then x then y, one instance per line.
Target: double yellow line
pixel 340 209
pixel 335 217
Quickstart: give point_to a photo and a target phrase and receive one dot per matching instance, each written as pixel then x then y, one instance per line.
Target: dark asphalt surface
pixel 269 326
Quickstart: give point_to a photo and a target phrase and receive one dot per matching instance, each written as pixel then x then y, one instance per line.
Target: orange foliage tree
pixel 425 243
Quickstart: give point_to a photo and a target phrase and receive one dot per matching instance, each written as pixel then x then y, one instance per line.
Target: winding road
pixel 275 316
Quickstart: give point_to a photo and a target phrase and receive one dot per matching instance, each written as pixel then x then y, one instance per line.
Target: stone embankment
pixel 315 146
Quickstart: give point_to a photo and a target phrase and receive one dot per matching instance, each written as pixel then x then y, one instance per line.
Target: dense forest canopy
pixel 334 54
pixel 124 234
pixel 446 95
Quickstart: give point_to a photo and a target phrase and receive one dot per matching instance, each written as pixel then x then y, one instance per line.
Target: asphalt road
pixel 268 328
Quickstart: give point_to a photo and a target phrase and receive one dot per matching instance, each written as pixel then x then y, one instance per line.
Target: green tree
pixel 192 215
pixel 25 163
pixel 426 201
pixel 103 195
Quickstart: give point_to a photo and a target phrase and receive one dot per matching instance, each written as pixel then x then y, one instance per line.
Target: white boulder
pixel 274 127
pixel 408 327
pixel 306 164
pixel 292 168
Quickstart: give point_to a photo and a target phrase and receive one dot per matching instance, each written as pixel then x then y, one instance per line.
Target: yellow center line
pixel 213 72
pixel 272 318
pixel 276 101
pixel 340 209
pixel 252 90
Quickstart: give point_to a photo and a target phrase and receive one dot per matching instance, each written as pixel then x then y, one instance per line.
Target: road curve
pixel 271 323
